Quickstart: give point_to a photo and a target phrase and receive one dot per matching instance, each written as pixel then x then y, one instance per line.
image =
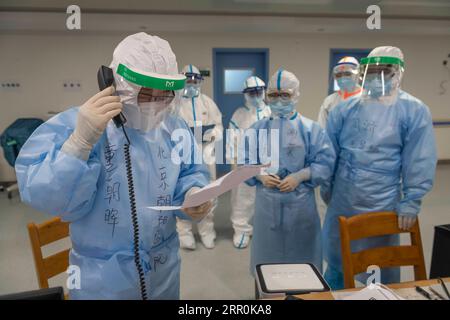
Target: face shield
pixel 148 97
pixel 193 84
pixel 346 76
pixel 381 76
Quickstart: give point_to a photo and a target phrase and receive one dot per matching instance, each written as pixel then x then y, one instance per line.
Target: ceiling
pixel 417 9
pixel 430 17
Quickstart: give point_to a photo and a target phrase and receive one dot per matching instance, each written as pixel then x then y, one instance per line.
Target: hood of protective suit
pixel 148 55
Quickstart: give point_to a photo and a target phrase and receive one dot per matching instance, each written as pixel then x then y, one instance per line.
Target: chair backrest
pixel 41 235
pixel 378 224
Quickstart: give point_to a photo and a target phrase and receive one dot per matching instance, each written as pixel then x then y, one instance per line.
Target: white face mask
pixel 146 116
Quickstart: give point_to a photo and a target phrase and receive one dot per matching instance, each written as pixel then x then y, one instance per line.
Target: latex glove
pixel 199 212
pixel 269 181
pixel 209 136
pixel 406 222
pixel 292 181
pixel 92 120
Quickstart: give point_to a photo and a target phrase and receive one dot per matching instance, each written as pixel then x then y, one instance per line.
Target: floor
pixel 221 273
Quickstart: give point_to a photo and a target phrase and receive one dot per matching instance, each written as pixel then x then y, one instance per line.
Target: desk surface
pixel 411 284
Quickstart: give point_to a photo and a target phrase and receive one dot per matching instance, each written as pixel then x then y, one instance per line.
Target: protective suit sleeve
pixel 333 128
pixel 321 157
pixel 191 175
pixel 250 155
pixel 418 161
pixel 51 180
pixel 232 136
pixel 215 117
pixel 323 114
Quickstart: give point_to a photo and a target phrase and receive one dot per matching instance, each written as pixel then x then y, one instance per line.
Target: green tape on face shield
pixel 383 60
pixel 154 81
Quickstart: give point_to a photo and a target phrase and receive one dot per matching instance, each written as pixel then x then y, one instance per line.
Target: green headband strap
pixel 152 80
pixel 383 60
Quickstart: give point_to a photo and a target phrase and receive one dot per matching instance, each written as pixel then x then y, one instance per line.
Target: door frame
pixel 215 51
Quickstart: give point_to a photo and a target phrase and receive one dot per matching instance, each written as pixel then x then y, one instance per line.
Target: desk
pixel 411 284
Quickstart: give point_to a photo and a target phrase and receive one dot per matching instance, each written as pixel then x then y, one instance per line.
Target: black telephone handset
pixel 105 77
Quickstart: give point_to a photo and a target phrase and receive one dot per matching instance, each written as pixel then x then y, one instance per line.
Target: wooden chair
pixel 41 235
pixel 378 224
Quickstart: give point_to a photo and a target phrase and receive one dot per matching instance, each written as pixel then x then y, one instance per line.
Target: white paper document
pixel 216 188
pixel 371 292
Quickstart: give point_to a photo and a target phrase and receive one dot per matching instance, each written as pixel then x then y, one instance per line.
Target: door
pixel 231 68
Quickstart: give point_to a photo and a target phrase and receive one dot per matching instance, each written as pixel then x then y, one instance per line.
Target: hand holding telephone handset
pixel 105 77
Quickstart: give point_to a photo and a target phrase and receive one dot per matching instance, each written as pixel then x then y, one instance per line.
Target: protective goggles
pixel 253 91
pixel 193 78
pixel 151 79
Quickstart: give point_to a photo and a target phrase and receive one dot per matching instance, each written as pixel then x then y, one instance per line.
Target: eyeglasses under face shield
pixel 155 95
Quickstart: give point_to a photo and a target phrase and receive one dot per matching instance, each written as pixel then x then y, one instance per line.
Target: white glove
pixel 92 120
pixel 292 181
pixel 197 213
pixel 406 222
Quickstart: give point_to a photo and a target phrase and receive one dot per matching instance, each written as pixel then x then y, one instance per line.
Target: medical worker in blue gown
pixel 73 166
pixel 286 222
pixel 386 161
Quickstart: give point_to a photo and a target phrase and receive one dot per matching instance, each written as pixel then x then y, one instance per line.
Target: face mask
pixel 191 91
pixel 374 87
pixel 147 115
pixel 346 84
pixel 255 101
pixel 282 109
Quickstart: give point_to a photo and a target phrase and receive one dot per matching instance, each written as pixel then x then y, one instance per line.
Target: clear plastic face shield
pixel 346 76
pixel 193 84
pixel 381 76
pixel 148 97
pixel 254 96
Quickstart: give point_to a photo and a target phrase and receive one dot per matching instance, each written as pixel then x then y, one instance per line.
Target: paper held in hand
pixel 216 188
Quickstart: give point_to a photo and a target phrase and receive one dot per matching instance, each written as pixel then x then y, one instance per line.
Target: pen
pixel 423 293
pixel 444 287
pixel 437 294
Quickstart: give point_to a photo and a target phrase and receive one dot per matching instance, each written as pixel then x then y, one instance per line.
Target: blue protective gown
pixel 287 225
pixel 93 196
pixel 386 162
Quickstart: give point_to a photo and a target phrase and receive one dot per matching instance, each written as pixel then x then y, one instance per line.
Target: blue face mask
pixel 346 84
pixel 191 91
pixel 374 86
pixel 281 109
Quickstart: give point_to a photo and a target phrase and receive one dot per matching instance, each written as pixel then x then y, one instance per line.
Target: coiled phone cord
pixel 134 217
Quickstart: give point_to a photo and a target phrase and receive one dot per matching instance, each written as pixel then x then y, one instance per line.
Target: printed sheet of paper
pixel 216 188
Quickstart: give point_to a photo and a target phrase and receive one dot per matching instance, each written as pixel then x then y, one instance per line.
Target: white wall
pixel 42 61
